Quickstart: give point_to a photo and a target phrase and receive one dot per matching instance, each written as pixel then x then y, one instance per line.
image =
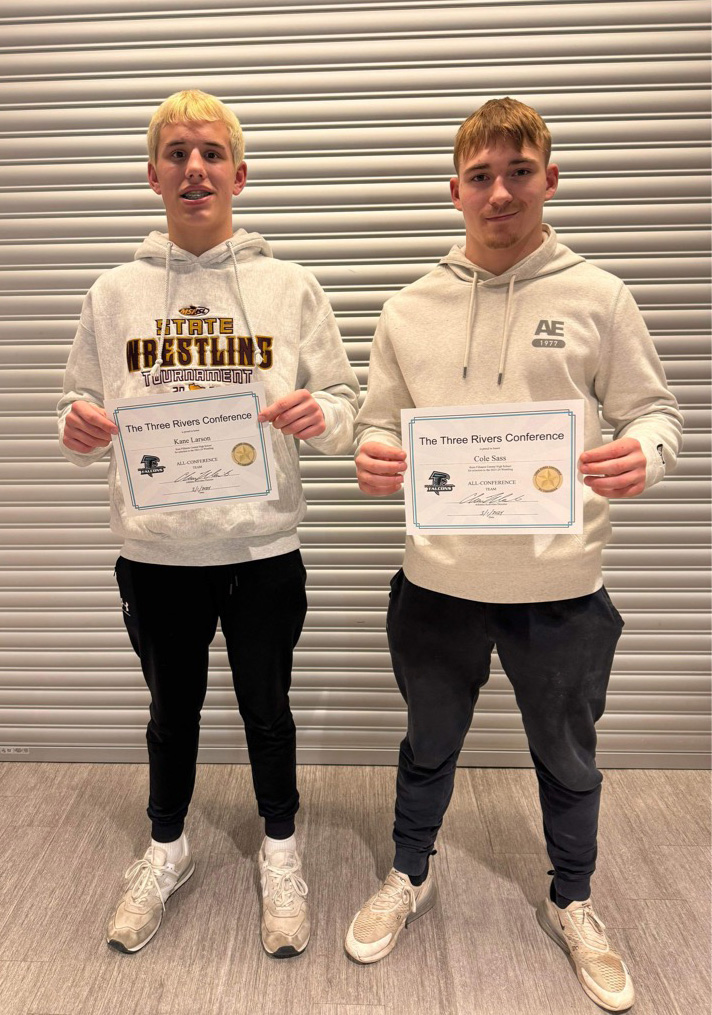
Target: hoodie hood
pixel 157 246
pixel 242 246
pixel 551 256
pixel 548 258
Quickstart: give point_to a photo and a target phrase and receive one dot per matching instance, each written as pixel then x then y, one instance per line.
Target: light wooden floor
pixel 71 830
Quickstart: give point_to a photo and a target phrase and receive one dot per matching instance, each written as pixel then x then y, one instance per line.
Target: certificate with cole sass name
pixel 193 448
pixel 503 468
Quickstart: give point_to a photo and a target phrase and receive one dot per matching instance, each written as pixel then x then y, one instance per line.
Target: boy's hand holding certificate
pixel 193 448
pixel 509 467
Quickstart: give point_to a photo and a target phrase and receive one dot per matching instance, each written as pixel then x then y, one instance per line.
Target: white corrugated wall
pixel 349 111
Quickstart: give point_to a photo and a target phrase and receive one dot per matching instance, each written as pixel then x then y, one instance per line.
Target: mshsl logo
pixel 193 311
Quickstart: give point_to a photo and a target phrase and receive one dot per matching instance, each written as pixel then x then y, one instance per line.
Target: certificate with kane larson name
pixel 194 448
pixel 506 468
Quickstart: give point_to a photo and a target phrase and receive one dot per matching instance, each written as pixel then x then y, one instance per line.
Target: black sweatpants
pixel 171 614
pixel 558 657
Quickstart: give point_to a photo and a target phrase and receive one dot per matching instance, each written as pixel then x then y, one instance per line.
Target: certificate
pixel 193 448
pixel 505 468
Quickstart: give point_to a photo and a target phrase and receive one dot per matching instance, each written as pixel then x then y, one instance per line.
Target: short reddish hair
pixel 498 120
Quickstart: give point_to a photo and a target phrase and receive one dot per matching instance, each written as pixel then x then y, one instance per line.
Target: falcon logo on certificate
pixel 509 467
pixel 439 483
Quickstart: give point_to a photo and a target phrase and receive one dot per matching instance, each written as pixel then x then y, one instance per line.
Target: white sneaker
pixel 285 915
pixel 375 928
pixel 582 935
pixel 140 911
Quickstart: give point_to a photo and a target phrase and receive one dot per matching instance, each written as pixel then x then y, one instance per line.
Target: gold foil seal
pixel 547 479
pixel 243 454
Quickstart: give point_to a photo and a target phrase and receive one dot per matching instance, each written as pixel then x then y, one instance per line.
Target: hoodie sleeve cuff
pixel 655 460
pixel 329 413
pixel 337 438
pixel 373 433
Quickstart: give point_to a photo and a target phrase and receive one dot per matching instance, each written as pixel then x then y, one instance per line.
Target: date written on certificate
pixel 509 467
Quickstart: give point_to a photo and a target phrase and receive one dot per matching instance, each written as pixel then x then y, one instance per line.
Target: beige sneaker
pixel 375 928
pixel 580 933
pixel 285 914
pixel 140 911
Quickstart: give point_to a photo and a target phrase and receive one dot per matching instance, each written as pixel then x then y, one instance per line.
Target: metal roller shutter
pixel 349 111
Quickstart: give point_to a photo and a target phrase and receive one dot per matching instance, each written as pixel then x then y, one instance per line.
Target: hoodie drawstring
pixel 159 358
pixel 468 334
pixel 470 327
pixel 505 330
pixel 258 354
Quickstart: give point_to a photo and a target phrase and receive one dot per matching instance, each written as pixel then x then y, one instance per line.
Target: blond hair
pixel 193 106
pixel 502 120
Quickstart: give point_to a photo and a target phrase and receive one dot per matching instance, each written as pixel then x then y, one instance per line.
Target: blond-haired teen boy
pixel 201 306
pixel 540 598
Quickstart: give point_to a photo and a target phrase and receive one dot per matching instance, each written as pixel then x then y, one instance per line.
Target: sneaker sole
pixel 119 946
pixel 550 931
pixel 392 943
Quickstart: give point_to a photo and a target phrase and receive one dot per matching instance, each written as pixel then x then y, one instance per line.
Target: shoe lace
pixel 591 929
pixel 392 894
pixel 285 884
pixel 142 878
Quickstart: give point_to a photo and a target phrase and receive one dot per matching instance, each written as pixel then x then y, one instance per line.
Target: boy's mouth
pixel 197 194
pixel 503 217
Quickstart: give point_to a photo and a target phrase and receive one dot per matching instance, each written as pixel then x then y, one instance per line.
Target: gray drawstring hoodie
pixel 171 320
pixel 552 327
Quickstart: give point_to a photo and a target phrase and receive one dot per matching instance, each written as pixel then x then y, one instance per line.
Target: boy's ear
pixel 153 178
pixel 240 178
pixel 455 192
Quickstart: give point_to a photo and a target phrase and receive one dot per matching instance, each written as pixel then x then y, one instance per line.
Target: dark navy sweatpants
pixel 558 657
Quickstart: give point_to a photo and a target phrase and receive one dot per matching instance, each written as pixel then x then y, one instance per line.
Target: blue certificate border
pixel 488 415
pixel 186 401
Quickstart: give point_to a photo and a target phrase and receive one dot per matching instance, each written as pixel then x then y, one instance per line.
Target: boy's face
pixel 501 192
pixel 197 178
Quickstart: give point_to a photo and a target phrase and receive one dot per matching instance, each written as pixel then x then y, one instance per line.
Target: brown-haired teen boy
pixel 464 334
pixel 201 306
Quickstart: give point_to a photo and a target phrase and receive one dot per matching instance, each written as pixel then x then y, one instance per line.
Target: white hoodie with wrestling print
pixel 169 321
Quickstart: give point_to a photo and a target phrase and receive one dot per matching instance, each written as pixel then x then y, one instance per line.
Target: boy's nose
pixel 195 165
pixel 500 193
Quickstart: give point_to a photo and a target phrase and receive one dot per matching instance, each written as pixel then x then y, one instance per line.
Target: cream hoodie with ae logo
pixel 552 327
